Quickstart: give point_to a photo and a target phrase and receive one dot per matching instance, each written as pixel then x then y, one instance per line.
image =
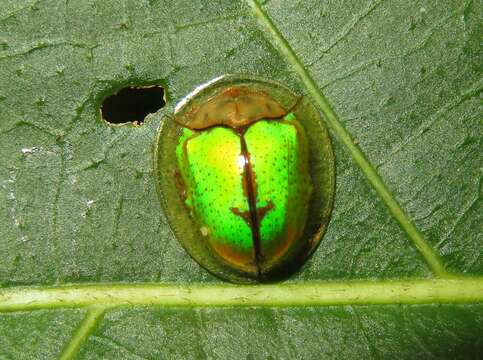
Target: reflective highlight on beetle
pixel 244 175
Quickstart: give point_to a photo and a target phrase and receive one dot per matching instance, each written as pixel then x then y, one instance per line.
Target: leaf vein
pixel 368 292
pixel 429 254
pixel 347 30
pixel 82 333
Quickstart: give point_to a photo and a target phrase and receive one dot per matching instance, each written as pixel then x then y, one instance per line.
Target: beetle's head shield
pixel 235 106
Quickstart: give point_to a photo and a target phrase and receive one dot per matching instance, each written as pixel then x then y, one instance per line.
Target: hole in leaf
pixel 132 104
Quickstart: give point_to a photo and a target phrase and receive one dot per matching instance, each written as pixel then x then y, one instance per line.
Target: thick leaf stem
pixel 432 258
pixel 462 290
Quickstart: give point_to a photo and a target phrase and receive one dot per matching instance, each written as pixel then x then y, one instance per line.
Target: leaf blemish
pixel 132 104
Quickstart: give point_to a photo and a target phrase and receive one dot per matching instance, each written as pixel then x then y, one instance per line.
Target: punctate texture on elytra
pixel 249 187
pixel 246 178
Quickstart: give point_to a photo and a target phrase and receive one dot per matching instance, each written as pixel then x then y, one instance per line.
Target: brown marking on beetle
pixel 241 259
pixel 262 211
pixel 254 215
pixel 180 185
pixel 290 237
pixel 245 215
pixel 281 248
pixel 235 107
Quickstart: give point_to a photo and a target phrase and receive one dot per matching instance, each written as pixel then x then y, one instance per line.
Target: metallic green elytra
pixel 242 187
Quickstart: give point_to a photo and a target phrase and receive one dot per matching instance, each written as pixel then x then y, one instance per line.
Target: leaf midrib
pixel 431 257
pixel 368 292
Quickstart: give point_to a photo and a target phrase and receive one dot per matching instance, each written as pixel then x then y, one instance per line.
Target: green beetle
pixel 243 161
pixel 242 169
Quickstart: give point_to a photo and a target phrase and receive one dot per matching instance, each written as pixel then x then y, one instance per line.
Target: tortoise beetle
pixel 246 177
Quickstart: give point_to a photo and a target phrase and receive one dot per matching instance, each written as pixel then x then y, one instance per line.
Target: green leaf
pixel 90 268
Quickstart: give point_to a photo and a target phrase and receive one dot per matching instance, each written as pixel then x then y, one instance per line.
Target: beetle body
pixel 245 176
pixel 244 165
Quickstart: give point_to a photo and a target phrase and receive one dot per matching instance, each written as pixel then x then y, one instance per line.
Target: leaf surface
pixel 399 84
